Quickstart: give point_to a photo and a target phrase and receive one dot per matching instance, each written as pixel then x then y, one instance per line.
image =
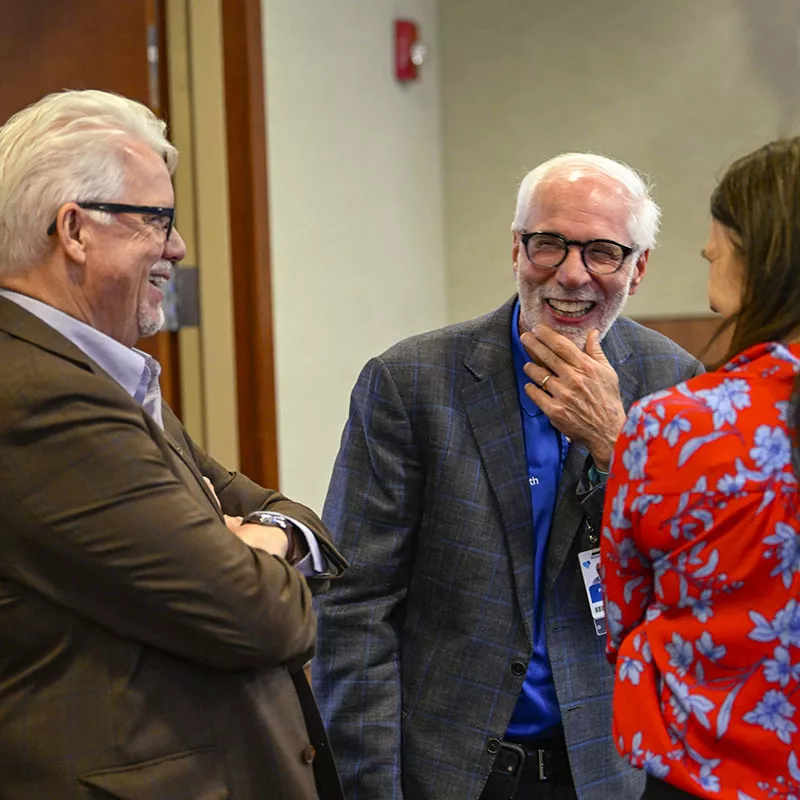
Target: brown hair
pixel 758 200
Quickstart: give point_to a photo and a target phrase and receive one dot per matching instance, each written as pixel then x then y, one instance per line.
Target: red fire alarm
pixel 409 52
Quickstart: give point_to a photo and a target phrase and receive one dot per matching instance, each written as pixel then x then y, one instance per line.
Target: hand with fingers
pixel 577 390
pixel 233 523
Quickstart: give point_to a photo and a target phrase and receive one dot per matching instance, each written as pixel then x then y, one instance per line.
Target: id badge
pixel 590 561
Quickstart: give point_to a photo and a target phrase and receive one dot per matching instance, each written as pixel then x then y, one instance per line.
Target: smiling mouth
pixel 158 279
pixel 571 308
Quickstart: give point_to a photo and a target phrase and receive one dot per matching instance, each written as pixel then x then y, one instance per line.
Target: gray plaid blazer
pixel 430 502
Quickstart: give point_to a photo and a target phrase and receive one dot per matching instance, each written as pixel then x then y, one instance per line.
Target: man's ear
pixel 71 232
pixel 638 271
pixel 515 247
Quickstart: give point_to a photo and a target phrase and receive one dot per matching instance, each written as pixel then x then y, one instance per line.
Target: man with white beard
pixel 462 656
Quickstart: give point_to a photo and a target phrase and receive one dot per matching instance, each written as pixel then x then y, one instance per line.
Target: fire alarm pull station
pixel 409 52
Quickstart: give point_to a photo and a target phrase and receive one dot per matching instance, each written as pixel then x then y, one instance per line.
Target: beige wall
pixel 374 185
pixel 675 88
pixel 356 211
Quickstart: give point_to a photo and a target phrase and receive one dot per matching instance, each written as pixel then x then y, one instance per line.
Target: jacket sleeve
pixel 96 521
pixel 238 496
pixel 373 508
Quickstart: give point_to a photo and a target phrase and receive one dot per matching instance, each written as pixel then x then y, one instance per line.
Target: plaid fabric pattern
pixel 420 642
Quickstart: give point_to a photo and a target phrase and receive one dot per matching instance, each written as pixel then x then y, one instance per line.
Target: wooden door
pixel 49 45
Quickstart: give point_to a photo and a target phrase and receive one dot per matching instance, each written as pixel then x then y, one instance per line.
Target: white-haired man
pixel 151 642
pixel 463 654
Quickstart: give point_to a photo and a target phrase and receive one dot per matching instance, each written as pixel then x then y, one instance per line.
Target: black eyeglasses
pixel 549 251
pixel 160 216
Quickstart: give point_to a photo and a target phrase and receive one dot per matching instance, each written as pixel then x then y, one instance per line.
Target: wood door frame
pixel 165 346
pixel 250 245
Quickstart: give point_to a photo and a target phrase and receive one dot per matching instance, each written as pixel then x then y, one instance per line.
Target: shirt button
pixel 517 668
pixel 309 754
pixel 493 746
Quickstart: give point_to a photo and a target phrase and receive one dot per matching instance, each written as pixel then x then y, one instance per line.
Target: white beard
pixel 151 320
pixel 532 298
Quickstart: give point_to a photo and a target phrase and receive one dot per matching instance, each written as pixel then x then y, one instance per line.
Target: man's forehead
pixel 139 155
pixel 580 190
pixel 144 166
pixel 579 183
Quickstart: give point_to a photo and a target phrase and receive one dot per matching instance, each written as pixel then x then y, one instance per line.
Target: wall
pixel 372 183
pixel 676 88
pixel 355 186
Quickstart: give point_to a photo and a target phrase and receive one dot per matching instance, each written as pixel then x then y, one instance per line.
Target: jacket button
pixel 493 746
pixel 517 668
pixel 309 754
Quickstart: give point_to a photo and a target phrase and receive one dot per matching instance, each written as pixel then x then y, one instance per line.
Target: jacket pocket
pixel 194 775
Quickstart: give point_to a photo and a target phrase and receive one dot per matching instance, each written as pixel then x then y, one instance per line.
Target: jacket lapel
pixel 21 324
pixel 568 514
pixel 173 433
pixel 492 406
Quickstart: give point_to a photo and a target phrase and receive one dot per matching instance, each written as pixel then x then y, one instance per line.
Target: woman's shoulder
pixel 757 376
pixel 686 400
pixel 723 414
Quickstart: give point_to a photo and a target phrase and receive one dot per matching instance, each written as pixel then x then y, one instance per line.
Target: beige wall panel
pixel 212 232
pixel 192 405
pixel 356 211
pixel 676 88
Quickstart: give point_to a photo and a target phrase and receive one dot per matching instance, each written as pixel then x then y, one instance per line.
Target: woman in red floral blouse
pixel 701 536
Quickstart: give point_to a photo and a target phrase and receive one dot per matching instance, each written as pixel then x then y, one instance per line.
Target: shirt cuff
pixel 597 476
pixel 314 562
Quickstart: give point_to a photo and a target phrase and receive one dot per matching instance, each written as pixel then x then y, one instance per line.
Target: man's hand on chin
pixel 578 391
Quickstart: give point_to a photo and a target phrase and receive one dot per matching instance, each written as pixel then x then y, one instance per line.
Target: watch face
pixel 267 518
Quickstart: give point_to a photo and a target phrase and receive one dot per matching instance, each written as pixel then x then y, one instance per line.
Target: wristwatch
pixel 276 520
pixel 597 476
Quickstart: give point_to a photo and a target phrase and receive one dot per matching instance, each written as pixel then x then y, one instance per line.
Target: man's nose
pixel 573 272
pixel 175 248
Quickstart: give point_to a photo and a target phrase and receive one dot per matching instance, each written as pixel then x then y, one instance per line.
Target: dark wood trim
pixel 249 225
pixel 692 334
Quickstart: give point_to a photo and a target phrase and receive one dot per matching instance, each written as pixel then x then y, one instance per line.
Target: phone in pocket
pixel 506 772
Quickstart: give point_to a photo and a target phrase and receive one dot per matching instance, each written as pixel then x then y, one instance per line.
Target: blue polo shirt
pixel 537 713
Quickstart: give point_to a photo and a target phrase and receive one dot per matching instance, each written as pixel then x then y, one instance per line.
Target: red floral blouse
pixel 701 560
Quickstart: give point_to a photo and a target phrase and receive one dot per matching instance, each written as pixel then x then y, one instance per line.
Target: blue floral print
pixel 701 563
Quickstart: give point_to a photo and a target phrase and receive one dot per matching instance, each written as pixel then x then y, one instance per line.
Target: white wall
pixel 675 88
pixel 355 186
pixel 372 183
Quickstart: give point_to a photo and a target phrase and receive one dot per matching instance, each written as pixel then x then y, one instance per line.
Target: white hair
pixel 644 213
pixel 66 147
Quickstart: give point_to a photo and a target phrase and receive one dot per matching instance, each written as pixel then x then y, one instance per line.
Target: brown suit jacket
pixel 145 651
